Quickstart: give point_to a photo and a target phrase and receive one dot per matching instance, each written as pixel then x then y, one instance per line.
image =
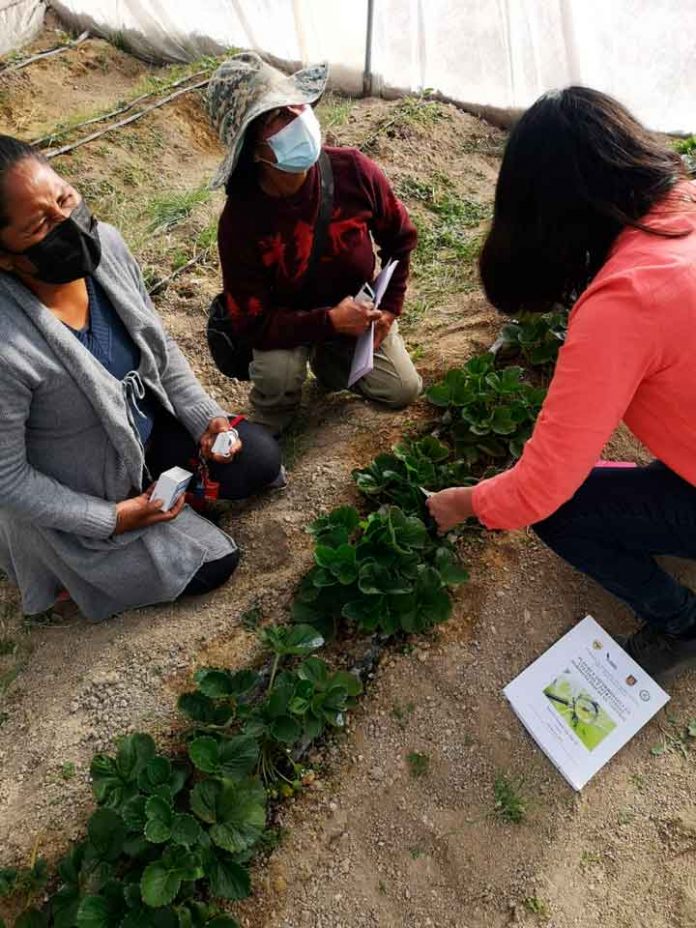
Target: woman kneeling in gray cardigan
pixel 95 401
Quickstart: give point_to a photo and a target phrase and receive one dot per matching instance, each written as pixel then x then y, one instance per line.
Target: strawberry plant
pixel 162 842
pixel 398 477
pixel 241 726
pixel 384 573
pixel 537 336
pixel 489 414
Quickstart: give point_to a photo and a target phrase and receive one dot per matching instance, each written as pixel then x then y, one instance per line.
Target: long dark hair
pixel 12 151
pixel 577 169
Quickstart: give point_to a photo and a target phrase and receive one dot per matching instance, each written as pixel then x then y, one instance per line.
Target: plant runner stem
pixel 51 51
pixel 161 284
pixel 57 152
pixel 124 109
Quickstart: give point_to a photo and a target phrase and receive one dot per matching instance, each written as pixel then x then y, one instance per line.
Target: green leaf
pixel 286 729
pixel 159 815
pixel 202 709
pixel 162 879
pixel 215 683
pixel 335 528
pixel 156 773
pixel 367 611
pixel 204 797
pixel 64 906
pixel 238 813
pixel 349 682
pixel 451 573
pixel 205 754
pixel 107 832
pixel 293 639
pixel 114 779
pixel 99 912
pixel 8 879
pixel 314 670
pixel 228 879
pixel 185 830
pixel 233 757
pixel 133 813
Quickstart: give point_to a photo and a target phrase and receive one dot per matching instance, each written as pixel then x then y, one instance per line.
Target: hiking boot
pixel 661 655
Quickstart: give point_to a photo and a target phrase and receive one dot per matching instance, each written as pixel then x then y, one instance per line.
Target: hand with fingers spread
pixel 142 511
pixel 215 426
pixel 353 318
pixel 450 507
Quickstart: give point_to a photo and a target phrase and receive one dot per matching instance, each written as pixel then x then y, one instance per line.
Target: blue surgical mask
pixel 297 146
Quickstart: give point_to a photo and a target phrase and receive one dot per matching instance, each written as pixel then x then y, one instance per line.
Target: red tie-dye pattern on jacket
pixel 265 244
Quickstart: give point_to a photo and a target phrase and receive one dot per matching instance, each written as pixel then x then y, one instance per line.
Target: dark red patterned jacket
pixel 265 243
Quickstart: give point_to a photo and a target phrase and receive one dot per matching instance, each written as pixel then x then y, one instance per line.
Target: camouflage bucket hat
pixel 245 87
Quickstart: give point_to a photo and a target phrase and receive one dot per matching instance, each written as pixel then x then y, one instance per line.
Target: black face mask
pixel 71 250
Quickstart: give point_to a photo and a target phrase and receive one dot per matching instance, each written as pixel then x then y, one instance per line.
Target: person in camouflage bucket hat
pixel 297 239
pixel 244 88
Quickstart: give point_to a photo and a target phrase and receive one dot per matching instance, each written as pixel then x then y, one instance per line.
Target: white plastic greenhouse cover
pixel 20 20
pixel 495 53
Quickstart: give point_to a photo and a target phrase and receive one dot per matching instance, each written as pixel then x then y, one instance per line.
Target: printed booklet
pixel 583 700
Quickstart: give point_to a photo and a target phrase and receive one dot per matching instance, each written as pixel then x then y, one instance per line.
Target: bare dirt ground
pixel 370 844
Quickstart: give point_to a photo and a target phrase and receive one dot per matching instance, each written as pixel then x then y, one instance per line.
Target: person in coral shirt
pixel 593 210
pixel 288 308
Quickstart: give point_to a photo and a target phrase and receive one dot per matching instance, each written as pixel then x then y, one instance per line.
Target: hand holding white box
pixel 171 485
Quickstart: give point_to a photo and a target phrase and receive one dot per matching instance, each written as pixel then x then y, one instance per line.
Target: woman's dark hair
pixel 12 151
pixel 577 169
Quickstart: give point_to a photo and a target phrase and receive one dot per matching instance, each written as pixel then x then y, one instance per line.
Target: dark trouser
pixel 250 470
pixel 613 527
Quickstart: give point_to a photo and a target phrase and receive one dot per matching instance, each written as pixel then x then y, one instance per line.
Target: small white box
pixel 225 441
pixel 171 484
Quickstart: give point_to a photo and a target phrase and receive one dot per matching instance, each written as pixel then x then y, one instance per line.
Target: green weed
pixel 170 209
pixel 334 111
pixel 536 906
pixel 403 714
pixel 68 770
pixel 418 764
pixel 251 619
pixel 509 803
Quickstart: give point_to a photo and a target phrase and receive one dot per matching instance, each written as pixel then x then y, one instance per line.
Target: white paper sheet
pixel 363 357
pixel 583 700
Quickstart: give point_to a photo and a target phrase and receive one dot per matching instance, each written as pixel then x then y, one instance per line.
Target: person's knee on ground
pixel 212 575
pixel 256 466
pixel 405 392
pixel 277 378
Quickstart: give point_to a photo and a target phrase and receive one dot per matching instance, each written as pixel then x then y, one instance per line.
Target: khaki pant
pixel 277 377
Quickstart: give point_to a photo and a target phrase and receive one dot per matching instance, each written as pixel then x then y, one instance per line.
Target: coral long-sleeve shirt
pixel 265 243
pixel 630 355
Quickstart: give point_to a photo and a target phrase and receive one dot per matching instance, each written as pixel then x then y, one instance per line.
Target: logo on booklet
pixel 631 680
pixel 644 695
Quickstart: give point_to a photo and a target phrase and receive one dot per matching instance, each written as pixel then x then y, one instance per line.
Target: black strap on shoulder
pixel 321 228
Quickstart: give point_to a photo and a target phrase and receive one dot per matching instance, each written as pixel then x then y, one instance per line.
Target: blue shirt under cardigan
pixel 108 340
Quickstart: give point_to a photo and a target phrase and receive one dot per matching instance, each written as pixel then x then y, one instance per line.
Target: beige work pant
pixel 277 377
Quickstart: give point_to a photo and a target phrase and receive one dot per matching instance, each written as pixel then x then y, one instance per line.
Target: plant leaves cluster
pixel 400 477
pixel 385 573
pixel 242 728
pixel 488 414
pixel 163 842
pixel 536 336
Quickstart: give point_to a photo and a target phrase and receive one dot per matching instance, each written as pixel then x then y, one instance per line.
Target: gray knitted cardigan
pixel 69 452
